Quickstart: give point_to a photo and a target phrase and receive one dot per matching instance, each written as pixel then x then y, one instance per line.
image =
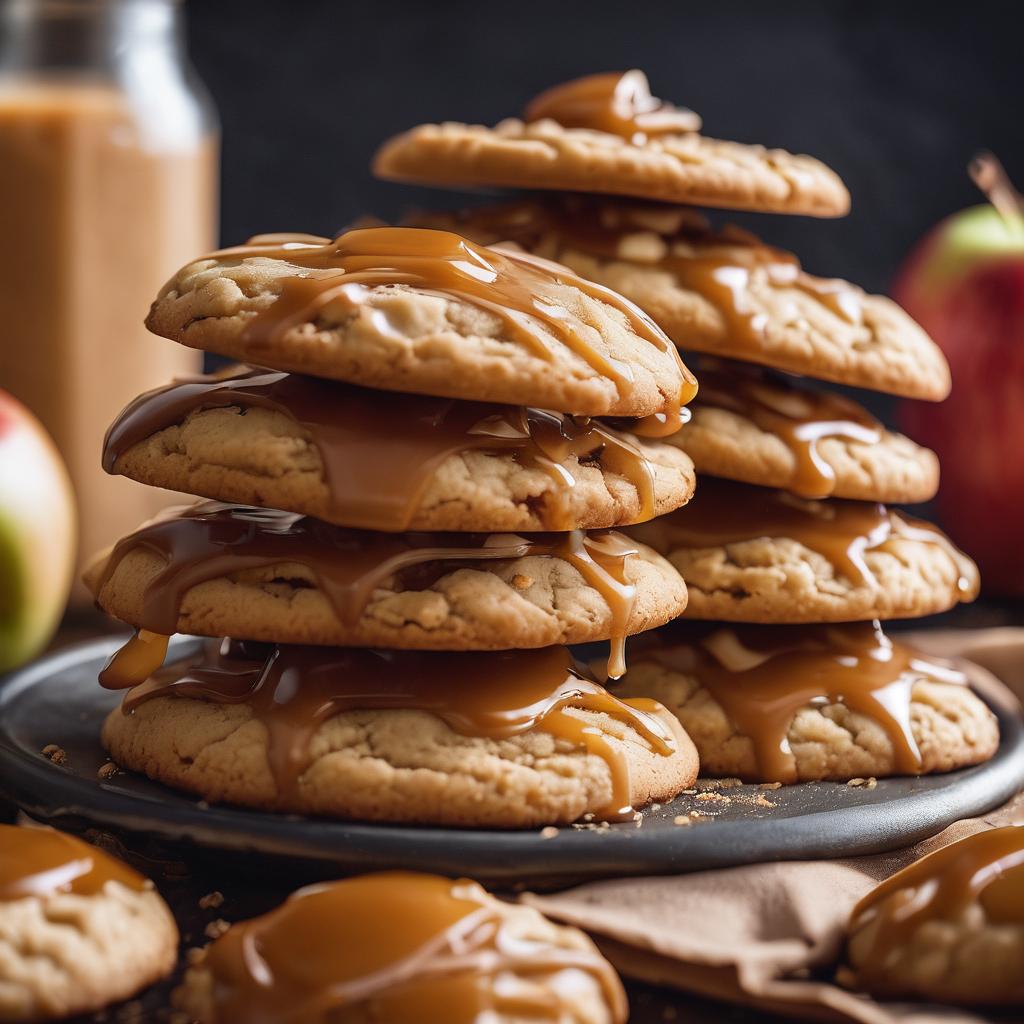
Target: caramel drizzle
pixel 841 531
pixel 292 690
pixel 403 946
pixel 380 456
pixel 762 676
pixel 799 418
pixel 209 540
pixel 510 285
pixel 986 868
pixel 42 862
pixel 618 103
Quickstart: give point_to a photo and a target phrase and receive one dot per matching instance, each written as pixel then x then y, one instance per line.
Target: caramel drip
pixel 396 946
pixel 379 456
pixel 510 285
pixel 798 417
pixel 843 532
pixel 292 690
pixel 210 540
pixel 139 658
pixel 762 676
pixel 986 868
pixel 42 862
pixel 619 103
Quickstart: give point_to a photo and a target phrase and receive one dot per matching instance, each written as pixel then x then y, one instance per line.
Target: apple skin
pixel 965 285
pixel 37 535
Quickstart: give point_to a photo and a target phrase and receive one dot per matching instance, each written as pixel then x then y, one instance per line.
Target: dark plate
pixel 57 700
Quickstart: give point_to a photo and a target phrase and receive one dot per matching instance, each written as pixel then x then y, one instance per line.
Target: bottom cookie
pixel 78 929
pixel 801 703
pixel 493 739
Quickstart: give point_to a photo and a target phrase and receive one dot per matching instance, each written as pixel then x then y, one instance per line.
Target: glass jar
pixel 108 183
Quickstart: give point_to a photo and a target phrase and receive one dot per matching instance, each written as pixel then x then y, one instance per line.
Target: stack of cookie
pixel 793 537
pixel 389 577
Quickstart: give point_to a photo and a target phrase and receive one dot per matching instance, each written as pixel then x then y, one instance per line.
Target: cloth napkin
pixel 771 935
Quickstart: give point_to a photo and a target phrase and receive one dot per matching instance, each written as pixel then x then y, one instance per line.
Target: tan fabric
pixel 752 934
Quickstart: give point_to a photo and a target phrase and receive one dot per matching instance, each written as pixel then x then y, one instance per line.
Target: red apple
pixel 37 534
pixel 964 283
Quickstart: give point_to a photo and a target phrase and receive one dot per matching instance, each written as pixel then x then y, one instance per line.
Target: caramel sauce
pixel 986 868
pixel 762 676
pixel 397 946
pixel 617 102
pixel 42 862
pixel 841 531
pixel 292 690
pixel 512 286
pixel 799 418
pixel 210 540
pixel 380 454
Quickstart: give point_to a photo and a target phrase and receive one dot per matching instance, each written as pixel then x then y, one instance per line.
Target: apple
pixel 37 535
pixel 964 283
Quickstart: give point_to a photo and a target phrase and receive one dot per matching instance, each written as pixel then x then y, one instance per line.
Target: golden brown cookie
pixel 749 554
pixel 258 574
pixel 386 461
pixel 426 312
pixel 385 947
pixel 510 739
pixel 78 929
pixel 552 149
pixel 798 703
pixel 947 929
pixel 722 292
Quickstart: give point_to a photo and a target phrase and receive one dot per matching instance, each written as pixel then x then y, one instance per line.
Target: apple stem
pixel 990 176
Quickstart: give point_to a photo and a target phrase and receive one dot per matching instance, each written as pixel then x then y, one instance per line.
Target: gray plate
pixel 57 700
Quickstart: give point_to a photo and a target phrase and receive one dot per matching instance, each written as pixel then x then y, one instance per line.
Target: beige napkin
pixel 755 934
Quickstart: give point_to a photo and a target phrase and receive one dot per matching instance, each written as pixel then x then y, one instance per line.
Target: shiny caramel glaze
pixel 398 947
pixel 507 284
pixel 984 870
pixel 43 862
pixel 292 690
pixel 762 676
pixel 841 531
pixel 210 540
pixel 617 102
pixel 380 451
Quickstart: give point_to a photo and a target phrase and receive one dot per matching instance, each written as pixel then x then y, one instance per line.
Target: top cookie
pixel 427 312
pixel 605 133
pixel 722 292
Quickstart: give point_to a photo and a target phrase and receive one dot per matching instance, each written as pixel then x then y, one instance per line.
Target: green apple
pixel 37 535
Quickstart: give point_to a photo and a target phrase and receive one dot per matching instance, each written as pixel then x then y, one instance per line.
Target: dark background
pixel 895 96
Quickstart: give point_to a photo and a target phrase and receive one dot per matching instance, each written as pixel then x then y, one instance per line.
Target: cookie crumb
pixel 58 755
pixel 770 785
pixel 682 819
pixel 549 832
pixel 713 796
pixel 108 770
pixel 871 783
pixel 211 900
pixel 215 929
pixel 857 782
pixel 521 581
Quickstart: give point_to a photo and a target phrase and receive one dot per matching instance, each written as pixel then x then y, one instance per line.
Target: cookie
pixel 513 739
pixel 78 929
pixel 259 574
pixel 800 703
pixel 947 929
pixel 760 428
pixel 724 292
pixel 383 947
pixel 749 554
pixel 550 150
pixel 386 461
pixel 414 310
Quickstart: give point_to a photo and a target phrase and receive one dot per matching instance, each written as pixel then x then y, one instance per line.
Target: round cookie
pixel 482 756
pixel 948 928
pixel 724 292
pixel 254 574
pixel 796 704
pixel 749 554
pixel 678 166
pixel 306 446
pixel 385 947
pixel 78 929
pixel 427 312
